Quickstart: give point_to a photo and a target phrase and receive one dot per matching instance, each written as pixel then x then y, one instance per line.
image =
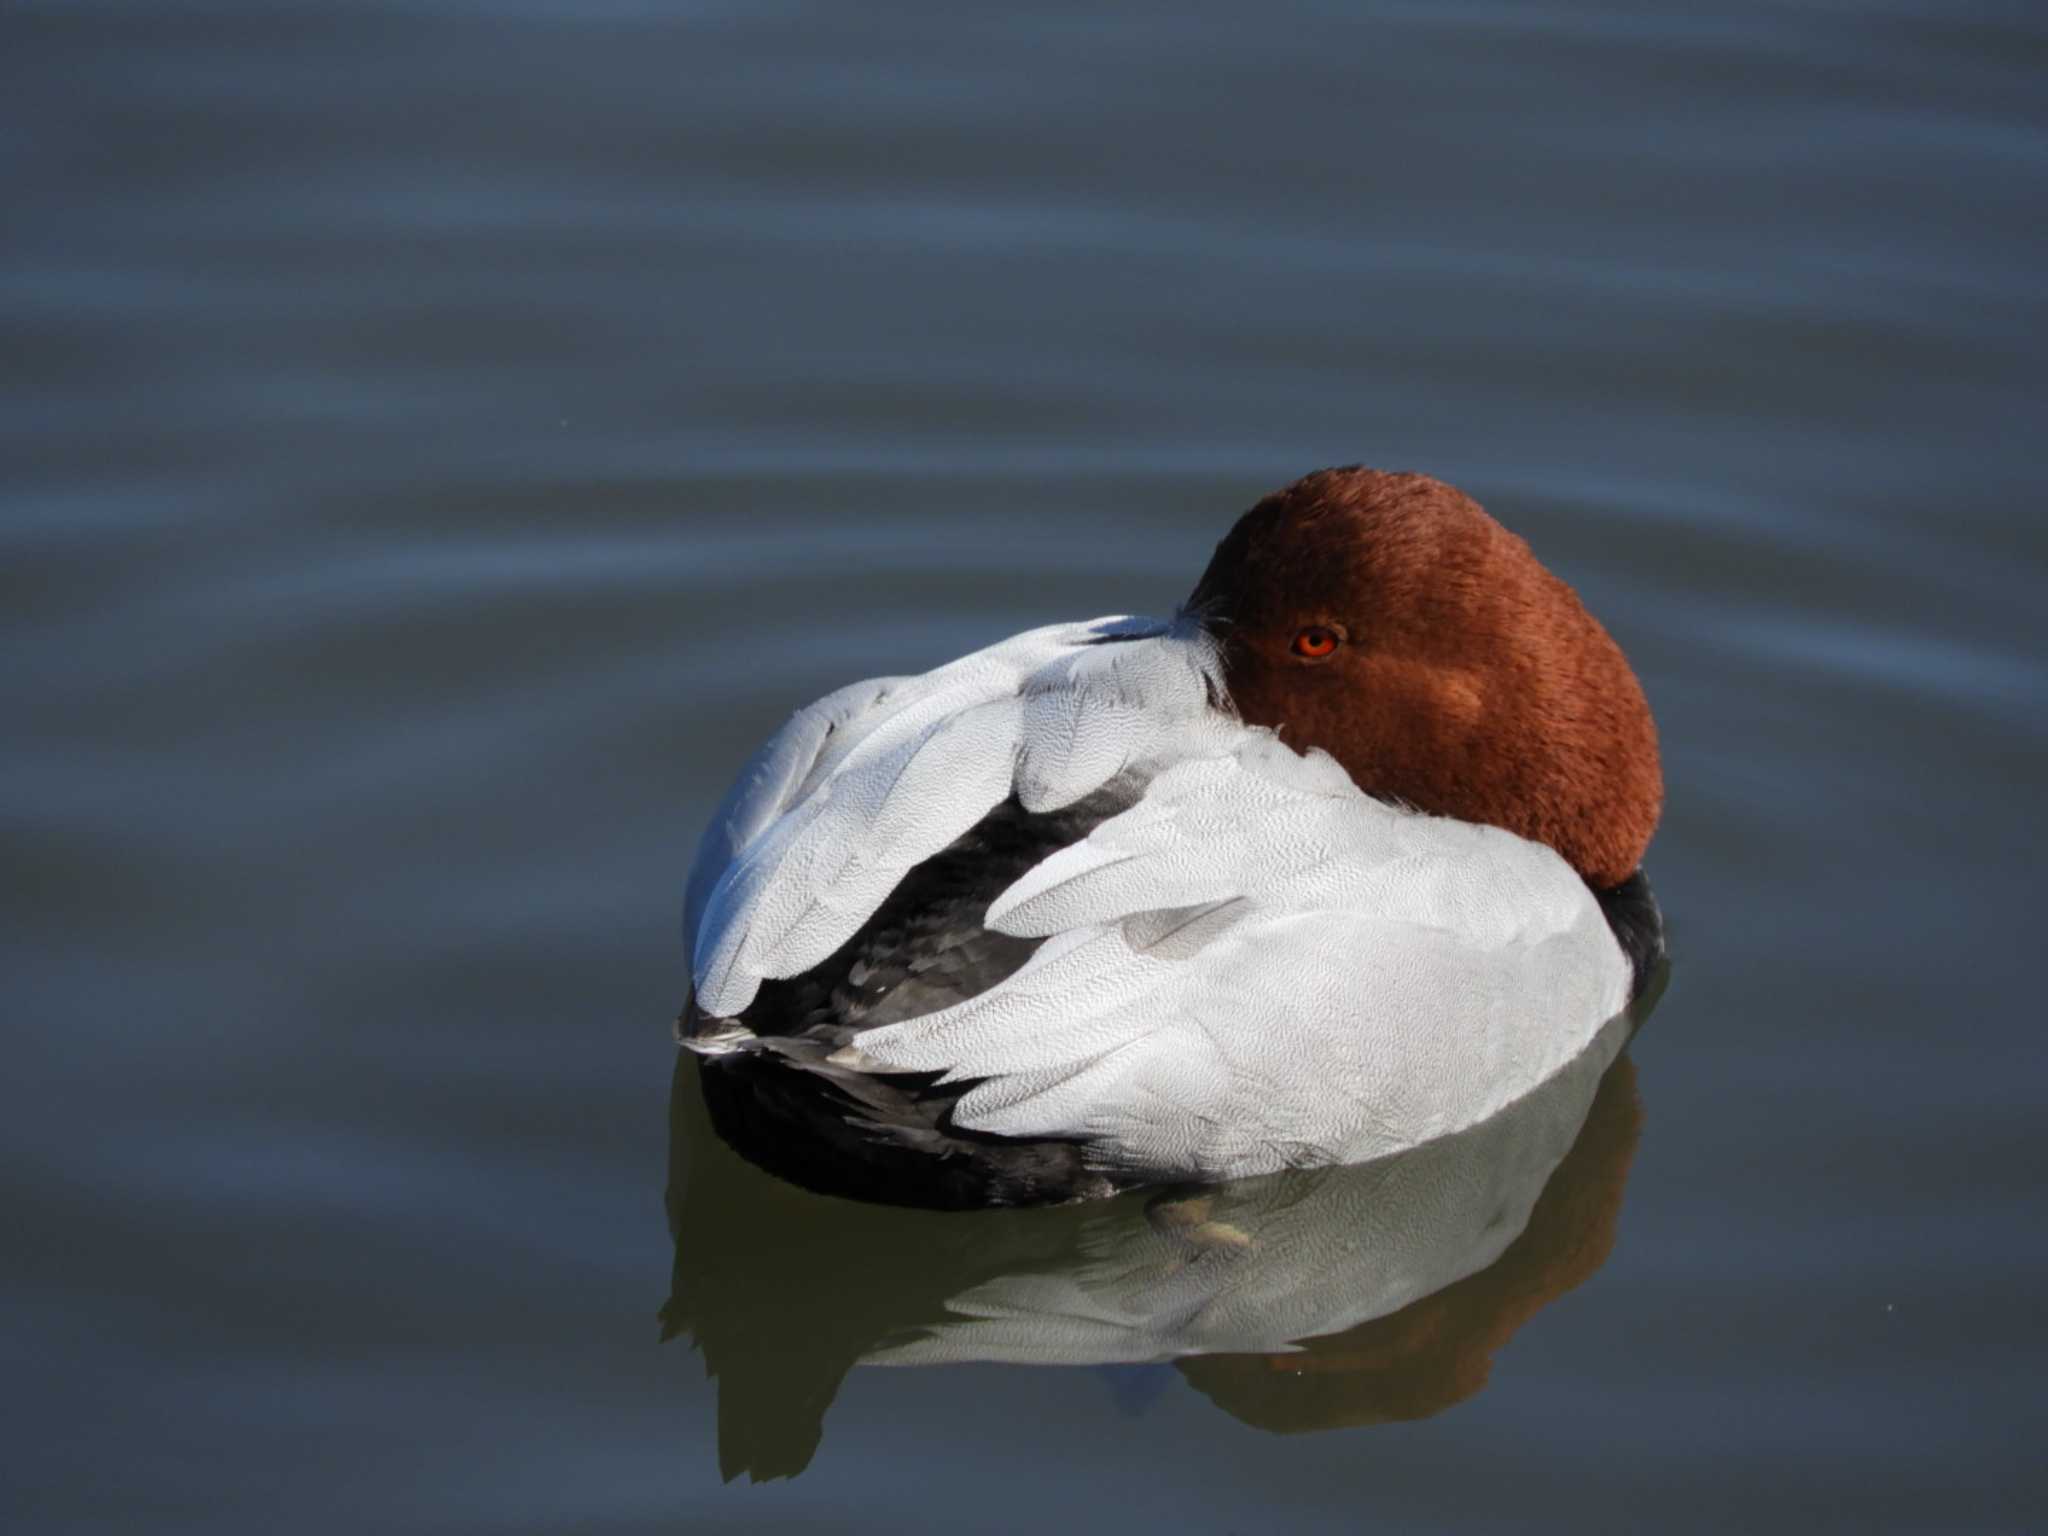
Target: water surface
pixel 443 439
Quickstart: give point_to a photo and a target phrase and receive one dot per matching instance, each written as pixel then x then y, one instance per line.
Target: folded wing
pixel 859 788
pixel 1255 966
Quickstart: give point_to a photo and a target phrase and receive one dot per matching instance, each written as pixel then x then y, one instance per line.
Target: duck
pixel 1340 858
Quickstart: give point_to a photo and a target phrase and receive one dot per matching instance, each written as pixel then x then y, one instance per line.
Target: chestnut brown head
pixel 1387 619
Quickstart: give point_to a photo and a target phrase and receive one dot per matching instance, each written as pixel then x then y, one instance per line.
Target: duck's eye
pixel 1316 642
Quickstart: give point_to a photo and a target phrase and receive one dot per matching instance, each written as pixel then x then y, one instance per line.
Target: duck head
pixel 1388 620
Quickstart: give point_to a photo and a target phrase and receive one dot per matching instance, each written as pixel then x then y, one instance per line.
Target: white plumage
pixel 1251 966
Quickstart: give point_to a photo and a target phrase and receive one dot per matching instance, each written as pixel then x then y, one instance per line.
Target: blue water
pixel 442 439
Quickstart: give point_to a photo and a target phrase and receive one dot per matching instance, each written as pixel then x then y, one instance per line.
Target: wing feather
pixel 866 784
pixel 1257 966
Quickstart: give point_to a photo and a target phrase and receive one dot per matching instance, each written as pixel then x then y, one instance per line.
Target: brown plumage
pixel 1468 681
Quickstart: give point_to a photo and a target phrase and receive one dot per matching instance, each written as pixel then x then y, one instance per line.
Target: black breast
pixel 1638 923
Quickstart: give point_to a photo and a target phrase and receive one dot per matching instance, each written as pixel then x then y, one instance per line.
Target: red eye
pixel 1316 642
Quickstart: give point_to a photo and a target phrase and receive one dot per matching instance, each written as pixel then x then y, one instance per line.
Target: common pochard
pixel 1343 857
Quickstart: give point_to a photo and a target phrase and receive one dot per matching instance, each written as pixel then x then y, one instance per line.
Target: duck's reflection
pixel 1298 1301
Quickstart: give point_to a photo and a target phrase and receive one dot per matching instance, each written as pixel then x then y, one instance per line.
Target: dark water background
pixel 441 439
